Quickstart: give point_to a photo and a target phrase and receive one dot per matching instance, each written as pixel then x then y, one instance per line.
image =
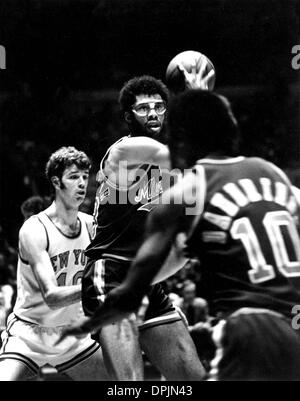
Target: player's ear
pixel 127 117
pixel 56 182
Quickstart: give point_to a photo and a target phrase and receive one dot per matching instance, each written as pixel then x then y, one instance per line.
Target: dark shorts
pixel 254 344
pixel 103 275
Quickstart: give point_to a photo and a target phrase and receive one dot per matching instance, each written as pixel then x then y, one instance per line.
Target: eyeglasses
pixel 143 109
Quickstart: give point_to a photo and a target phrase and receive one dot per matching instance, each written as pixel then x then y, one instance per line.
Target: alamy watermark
pixel 296 59
pixel 2 58
pixel 146 188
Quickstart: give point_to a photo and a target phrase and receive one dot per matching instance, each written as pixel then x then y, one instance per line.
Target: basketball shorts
pixel 103 275
pixel 256 344
pixel 36 346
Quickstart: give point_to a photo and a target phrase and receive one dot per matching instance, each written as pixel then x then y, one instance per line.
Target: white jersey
pixel 68 260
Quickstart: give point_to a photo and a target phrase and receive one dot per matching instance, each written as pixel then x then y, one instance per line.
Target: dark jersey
pixel 247 236
pixel 120 213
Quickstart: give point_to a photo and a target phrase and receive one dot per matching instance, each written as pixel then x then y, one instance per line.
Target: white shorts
pixel 34 346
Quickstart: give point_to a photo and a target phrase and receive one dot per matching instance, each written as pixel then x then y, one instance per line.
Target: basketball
pixel 175 77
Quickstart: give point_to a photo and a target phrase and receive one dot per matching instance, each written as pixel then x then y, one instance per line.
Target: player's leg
pixel 166 341
pixel 120 346
pixel 14 370
pixel 121 351
pixel 171 350
pixel 16 358
pixel 91 369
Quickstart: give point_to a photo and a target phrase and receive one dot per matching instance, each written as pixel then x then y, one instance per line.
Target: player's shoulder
pixel 254 161
pixel 118 150
pixel 112 148
pixel 85 217
pixel 267 166
pixel 259 161
pixel 32 229
pixel 138 141
pixel 32 223
pixel 121 143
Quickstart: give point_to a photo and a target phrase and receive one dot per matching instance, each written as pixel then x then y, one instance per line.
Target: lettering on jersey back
pixel 234 196
pixel 244 192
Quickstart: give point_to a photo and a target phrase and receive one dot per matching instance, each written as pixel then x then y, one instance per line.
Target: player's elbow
pixel 51 300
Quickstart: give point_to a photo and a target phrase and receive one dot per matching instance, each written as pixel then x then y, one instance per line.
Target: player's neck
pixel 63 215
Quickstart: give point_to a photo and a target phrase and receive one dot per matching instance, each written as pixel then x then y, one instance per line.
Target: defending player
pixel 130 182
pixel 50 266
pixel 241 219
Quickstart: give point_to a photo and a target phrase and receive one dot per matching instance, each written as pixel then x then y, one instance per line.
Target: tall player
pixel 241 218
pixel 130 182
pixel 50 266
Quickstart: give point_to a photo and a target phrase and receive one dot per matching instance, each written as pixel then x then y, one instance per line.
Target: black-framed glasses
pixel 143 109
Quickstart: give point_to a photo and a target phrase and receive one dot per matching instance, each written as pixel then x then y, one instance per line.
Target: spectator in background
pixel 171 287
pixel 34 205
pixel 194 308
pixel 196 312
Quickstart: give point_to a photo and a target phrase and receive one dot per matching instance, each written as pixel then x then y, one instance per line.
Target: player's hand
pixel 103 316
pixel 79 329
pixel 196 79
pixel 118 305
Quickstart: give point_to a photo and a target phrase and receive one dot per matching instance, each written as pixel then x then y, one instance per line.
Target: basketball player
pixel 130 182
pixel 241 218
pixel 50 266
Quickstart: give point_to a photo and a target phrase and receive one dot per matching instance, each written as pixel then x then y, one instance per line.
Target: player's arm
pixel 33 244
pixel 134 151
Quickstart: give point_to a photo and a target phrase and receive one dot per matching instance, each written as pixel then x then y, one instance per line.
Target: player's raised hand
pixel 196 79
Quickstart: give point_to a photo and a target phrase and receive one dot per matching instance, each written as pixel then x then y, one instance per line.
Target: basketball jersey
pixel 68 260
pixel 120 213
pixel 246 236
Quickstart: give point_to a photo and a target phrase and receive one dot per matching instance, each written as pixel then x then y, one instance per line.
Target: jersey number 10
pixel 273 221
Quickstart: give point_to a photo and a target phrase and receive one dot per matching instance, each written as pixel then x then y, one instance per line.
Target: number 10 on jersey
pixel 273 223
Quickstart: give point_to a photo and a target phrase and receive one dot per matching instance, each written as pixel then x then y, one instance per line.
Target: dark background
pixel 66 61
